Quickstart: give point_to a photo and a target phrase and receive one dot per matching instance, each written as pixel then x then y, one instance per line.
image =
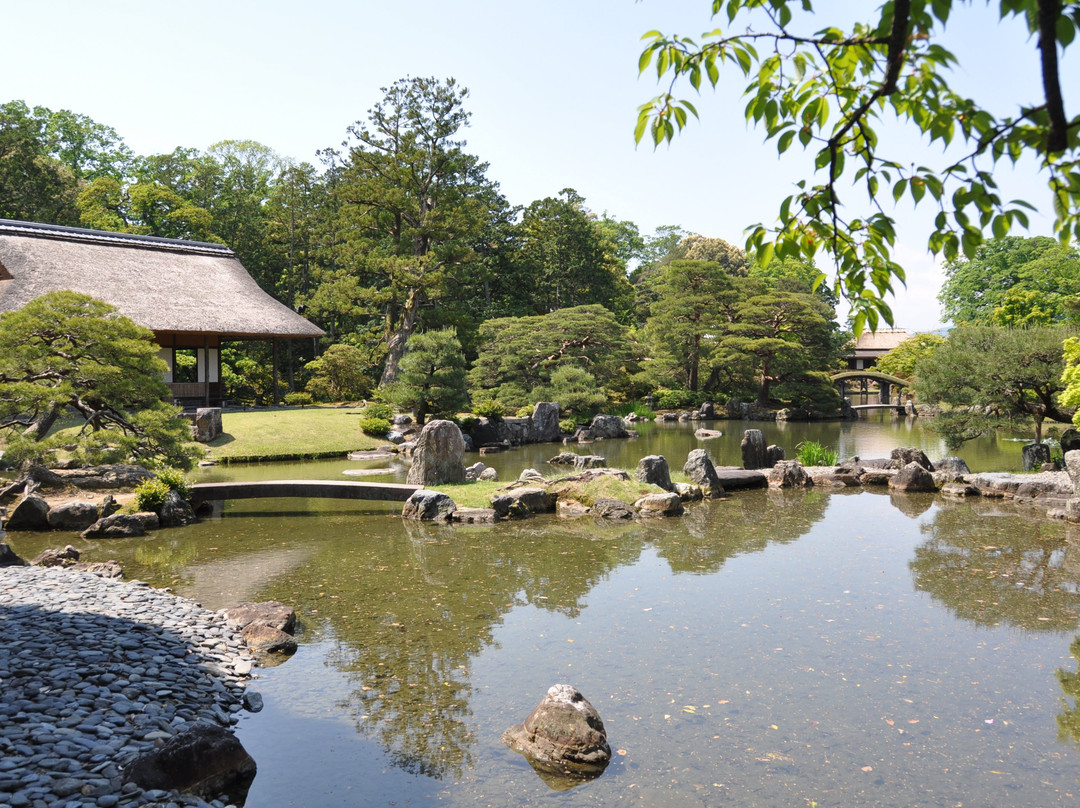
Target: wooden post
pixel 275 361
pixel 206 369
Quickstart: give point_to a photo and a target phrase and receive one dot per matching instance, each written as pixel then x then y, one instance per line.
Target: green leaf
pixel 785 141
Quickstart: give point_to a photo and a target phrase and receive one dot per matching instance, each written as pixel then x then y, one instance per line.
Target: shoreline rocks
pixel 97 673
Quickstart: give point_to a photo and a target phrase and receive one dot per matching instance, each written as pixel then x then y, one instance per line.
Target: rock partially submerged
pixel 438 456
pixel 563 735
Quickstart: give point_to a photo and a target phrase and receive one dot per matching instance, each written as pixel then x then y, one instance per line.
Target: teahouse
pixel 193 295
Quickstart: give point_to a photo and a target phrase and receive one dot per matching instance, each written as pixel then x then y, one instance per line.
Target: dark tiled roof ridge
pixel 57 231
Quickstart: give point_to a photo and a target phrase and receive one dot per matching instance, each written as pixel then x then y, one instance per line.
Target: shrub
pixel 524 412
pixel 568 425
pixel 298 399
pixel 151 494
pixel 377 409
pixel 468 423
pixel 176 481
pixel 640 410
pixel 378 427
pixel 812 453
pixel 677 399
pixel 492 408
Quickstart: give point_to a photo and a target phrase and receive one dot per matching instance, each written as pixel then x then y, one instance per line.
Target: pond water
pixel 851 648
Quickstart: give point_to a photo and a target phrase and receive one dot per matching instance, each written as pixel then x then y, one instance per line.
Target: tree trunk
pixel 40 428
pixel 395 345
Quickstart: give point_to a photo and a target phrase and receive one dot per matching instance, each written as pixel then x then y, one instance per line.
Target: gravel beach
pixel 93 673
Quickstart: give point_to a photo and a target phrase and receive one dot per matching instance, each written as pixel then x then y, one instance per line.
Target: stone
pixel 753 449
pixel 958 489
pixel 666 504
pixel 207 424
pixel 117 526
pixel 206 761
pixel 102 569
pixel 56 557
pixel 438 456
pixel 175 511
pixel 488 475
pixel 473 472
pixel 8 557
pixel 108 506
pixel 473 516
pixel 578 461
pixel 612 509
pixel 1070 439
pixel 545 423
pixel 1035 454
pixel 116 475
pixel 267 639
pixel 428 506
pixel 149 519
pixel 707 410
pixel 707 434
pixel 912 478
pixel 774 454
pixel 653 470
pixel 608 426
pixel 909 454
pixel 955 466
pixel 688 492
pixel 571 508
pixel 531 475
pixel 75 515
pixel 522 502
pixel 1072 465
pixel 564 459
pixel 700 470
pixel 402 419
pixel 789 474
pixel 267 613
pixel 563 731
pixel 31 513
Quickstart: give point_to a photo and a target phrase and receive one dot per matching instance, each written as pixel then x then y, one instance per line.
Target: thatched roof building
pixel 192 295
pixel 872 345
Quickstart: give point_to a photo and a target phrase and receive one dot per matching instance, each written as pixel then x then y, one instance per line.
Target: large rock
pixel 653 469
pixel 909 454
pixel 789 474
pixel 75 515
pixel 699 468
pixel 578 461
pixel 522 502
pixel 563 732
pixel 954 466
pixel 267 639
pixel 545 423
pixel 207 424
pixel 266 613
pixel 773 455
pixel 8 557
pixel 912 478
pixel 473 472
pixel 31 513
pixel 117 526
pixel 1072 465
pixel 175 511
pixel 667 504
pixel 439 455
pixel 754 450
pixel 206 761
pixel 56 557
pixel 117 475
pixel 1070 439
pixel 1035 454
pixel 612 509
pixel 428 506
pixel 608 426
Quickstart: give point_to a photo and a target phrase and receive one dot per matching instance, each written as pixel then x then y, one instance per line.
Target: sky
pixel 554 92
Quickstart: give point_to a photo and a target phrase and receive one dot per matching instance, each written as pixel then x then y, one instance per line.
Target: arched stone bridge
pixel 885 384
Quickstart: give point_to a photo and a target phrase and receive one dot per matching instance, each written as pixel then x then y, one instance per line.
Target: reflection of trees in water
pixel 746 522
pixel 1068 720
pixel 990 565
pixel 412 606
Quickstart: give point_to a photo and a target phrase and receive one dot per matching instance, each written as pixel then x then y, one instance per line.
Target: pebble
pixel 93 673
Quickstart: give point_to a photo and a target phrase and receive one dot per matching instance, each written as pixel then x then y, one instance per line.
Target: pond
pixel 851 648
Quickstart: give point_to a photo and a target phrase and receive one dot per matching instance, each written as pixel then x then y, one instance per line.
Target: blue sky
pixel 553 86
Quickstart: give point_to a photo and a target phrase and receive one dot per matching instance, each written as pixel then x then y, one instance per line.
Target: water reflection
pixel 992 566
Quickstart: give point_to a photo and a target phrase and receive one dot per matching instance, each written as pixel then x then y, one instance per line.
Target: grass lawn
pixel 290 434
pixel 479 494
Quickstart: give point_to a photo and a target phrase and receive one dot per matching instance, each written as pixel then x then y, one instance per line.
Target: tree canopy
pixel 69 353
pixel 1013 282
pixel 834 90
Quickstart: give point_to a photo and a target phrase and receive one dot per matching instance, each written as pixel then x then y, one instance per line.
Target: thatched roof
pixel 876 343
pixel 166 285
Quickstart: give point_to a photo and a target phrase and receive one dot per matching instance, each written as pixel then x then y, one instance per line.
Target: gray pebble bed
pixel 95 672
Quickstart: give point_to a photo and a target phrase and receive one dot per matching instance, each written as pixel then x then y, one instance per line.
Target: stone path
pixel 93 673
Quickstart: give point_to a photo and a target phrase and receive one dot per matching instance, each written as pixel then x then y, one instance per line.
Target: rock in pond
pixel 206 760
pixel 666 504
pixel 438 456
pixel 117 526
pixel 267 613
pixel 32 513
pixel 563 734
pixel 913 478
pixel 699 468
pixel 753 448
pixel 427 506
pixel 75 515
pixel 653 469
pixel 789 474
